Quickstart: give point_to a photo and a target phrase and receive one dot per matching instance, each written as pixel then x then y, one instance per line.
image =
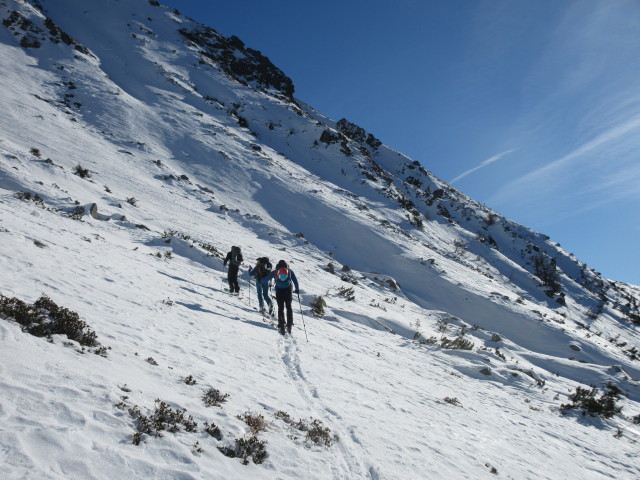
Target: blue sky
pixel 531 107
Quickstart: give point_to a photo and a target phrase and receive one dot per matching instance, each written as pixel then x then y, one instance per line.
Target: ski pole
pixel 272 298
pixel 301 314
pixel 224 271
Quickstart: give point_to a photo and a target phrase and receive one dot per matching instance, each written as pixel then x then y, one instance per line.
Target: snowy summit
pixel 432 337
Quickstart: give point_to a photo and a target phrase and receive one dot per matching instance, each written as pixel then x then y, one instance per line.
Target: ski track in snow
pixel 346 444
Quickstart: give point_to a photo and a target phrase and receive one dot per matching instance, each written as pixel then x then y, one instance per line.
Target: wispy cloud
pixel 597 166
pixel 486 163
pixel 614 133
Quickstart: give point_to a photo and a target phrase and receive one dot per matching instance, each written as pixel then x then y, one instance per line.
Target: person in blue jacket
pixel 285 281
pixel 262 272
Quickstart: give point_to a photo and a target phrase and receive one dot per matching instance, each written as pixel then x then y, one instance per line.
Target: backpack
pixel 264 267
pixel 236 256
pixel 282 274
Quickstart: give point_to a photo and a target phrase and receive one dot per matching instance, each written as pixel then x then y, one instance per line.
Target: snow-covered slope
pixel 137 146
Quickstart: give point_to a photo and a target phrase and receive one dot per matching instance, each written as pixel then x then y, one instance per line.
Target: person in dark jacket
pixel 262 272
pixel 285 281
pixel 234 259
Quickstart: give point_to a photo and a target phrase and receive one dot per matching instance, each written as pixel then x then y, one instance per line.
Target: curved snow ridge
pixel 350 464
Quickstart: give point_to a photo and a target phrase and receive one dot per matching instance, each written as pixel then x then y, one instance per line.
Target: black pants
pixel 284 297
pixel 233 278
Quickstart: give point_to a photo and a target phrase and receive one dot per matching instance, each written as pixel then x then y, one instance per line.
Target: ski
pixel 266 318
pixel 233 294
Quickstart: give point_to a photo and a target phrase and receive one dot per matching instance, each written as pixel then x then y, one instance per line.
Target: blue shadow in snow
pixel 195 306
pixel 260 324
pixel 180 279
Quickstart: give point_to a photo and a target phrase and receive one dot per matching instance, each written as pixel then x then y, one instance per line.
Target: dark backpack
pixel 236 256
pixel 264 267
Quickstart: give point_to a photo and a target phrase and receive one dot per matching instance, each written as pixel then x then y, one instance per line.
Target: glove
pixel 296 291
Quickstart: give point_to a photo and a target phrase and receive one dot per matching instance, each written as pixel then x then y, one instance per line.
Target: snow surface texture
pixel 186 157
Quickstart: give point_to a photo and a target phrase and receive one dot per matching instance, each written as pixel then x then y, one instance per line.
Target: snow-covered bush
pixel 546 270
pixel 163 418
pixel 27 196
pixel 317 306
pixel 246 448
pixel 319 434
pixel 458 343
pixel 77 213
pixel 348 293
pixel 256 422
pixel 213 430
pixel 316 432
pixel 585 399
pixel 214 398
pixel 81 172
pixel 44 318
pixel 452 401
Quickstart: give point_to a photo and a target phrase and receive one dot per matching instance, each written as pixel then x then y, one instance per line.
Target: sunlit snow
pixel 176 180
